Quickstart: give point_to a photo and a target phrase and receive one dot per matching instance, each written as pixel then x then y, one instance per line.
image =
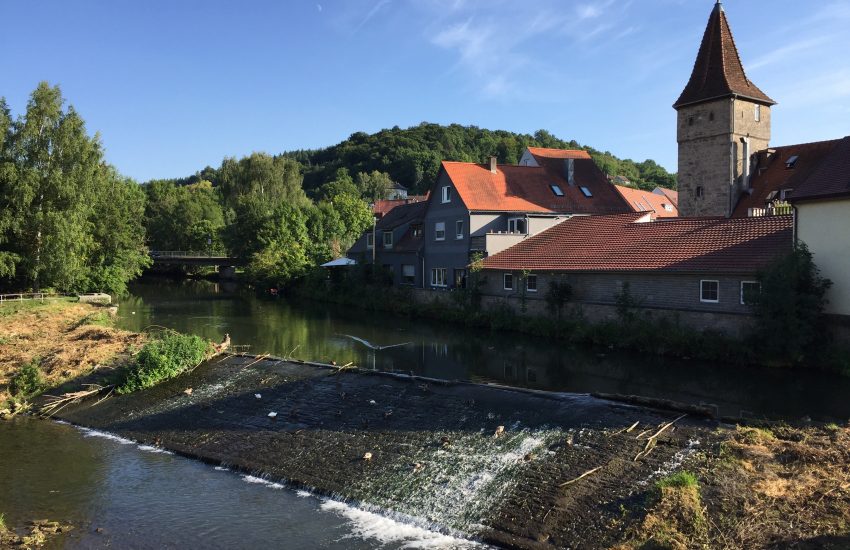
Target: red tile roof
pixel 628 242
pixel 772 175
pixel 831 178
pixel 528 188
pixel 645 201
pixel 381 207
pixel 669 193
pixel 718 71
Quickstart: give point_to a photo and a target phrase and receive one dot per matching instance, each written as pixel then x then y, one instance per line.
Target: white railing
pixel 780 210
pixel 22 297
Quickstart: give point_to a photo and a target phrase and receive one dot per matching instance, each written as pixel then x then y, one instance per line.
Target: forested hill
pixel 412 156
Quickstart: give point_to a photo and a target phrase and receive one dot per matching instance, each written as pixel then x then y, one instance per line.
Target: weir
pixel 489 463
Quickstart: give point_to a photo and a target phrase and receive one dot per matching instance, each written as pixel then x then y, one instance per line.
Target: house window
pixel 757 113
pixel 557 190
pixel 408 274
pixel 438 276
pixel 586 192
pixel 459 229
pixel 440 231
pixel 783 195
pixel 750 291
pixel 516 225
pixel 388 239
pixel 709 291
pixel 698 192
pixel 447 193
pixel 417 230
pixel 531 283
pixel 508 281
pixel 370 240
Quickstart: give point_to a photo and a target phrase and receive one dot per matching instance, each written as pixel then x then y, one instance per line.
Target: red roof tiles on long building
pixel 718 71
pixel 629 242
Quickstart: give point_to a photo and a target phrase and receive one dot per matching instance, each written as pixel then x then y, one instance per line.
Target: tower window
pixel 698 192
pixel 711 115
pixel 757 113
pixel 690 121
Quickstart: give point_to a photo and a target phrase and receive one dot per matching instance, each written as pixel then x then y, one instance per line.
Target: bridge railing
pixel 185 254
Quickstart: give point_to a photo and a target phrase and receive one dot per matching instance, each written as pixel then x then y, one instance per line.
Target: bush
pixel 27 381
pixel 165 358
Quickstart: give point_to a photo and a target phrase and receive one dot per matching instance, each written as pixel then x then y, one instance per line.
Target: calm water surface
pixel 324 332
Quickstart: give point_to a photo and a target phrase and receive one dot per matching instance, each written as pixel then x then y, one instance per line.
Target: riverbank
pixel 632 328
pixel 516 468
pixel 55 341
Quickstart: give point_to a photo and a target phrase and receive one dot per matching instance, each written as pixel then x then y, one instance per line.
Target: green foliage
pixel 27 381
pixel 164 358
pixel 557 295
pixel 189 217
pixel 680 479
pixel 412 156
pixel 790 321
pixel 627 305
pixel 373 186
pixel 67 220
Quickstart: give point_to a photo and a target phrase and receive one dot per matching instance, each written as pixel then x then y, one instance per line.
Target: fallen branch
pixel 627 430
pixel 587 473
pixel 55 403
pixel 667 425
pixel 652 440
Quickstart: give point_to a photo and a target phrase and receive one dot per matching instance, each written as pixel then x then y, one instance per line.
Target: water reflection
pixel 321 332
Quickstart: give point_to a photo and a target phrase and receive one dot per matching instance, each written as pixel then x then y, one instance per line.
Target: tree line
pixel 71 222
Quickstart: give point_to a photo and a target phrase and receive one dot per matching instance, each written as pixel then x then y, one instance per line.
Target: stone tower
pixel 723 119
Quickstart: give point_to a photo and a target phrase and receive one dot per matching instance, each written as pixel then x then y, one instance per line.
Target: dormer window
pixel 447 193
pixel 516 225
pixel 783 195
pixel 556 189
pixel 586 192
pixel 791 162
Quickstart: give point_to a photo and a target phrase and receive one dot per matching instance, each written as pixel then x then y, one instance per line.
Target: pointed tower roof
pixel 718 71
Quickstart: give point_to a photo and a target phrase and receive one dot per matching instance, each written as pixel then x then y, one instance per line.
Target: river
pixel 326 332
pixel 119 494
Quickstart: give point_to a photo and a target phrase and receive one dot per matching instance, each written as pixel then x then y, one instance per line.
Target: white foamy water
pixel 261 481
pixel 303 494
pixel 376 527
pixel 88 432
pixel 152 449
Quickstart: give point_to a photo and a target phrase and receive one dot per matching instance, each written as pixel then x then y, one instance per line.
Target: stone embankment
pixel 513 468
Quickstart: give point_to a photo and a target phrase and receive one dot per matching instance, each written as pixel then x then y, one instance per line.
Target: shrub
pixel 27 381
pixel 165 358
pixel 681 479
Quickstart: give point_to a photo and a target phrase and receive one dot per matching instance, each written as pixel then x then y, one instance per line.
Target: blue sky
pixel 175 86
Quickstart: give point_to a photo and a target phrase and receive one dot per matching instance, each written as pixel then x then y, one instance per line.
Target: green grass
pixel 164 358
pixel 98 318
pixel 27 381
pixel 683 479
pixel 3 523
pixel 15 307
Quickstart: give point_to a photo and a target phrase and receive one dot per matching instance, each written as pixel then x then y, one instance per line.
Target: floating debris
pixel 188 391
pixel 272 414
pixel 372 402
pixel 500 431
pixel 367 456
pixel 258 396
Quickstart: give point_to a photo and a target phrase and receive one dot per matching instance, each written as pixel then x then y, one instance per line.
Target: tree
pixel 275 179
pixel 68 220
pixel 374 186
pixel 789 309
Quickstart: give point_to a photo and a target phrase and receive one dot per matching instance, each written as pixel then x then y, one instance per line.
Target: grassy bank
pixel 44 344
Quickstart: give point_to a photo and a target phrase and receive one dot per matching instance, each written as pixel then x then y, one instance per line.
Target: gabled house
pixel 658 204
pixel 395 243
pixel 482 209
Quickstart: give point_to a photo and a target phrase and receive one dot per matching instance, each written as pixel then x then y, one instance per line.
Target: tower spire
pixel 718 71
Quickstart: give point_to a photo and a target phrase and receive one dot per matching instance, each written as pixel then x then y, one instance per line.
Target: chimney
pixel 493 164
pixel 569 171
